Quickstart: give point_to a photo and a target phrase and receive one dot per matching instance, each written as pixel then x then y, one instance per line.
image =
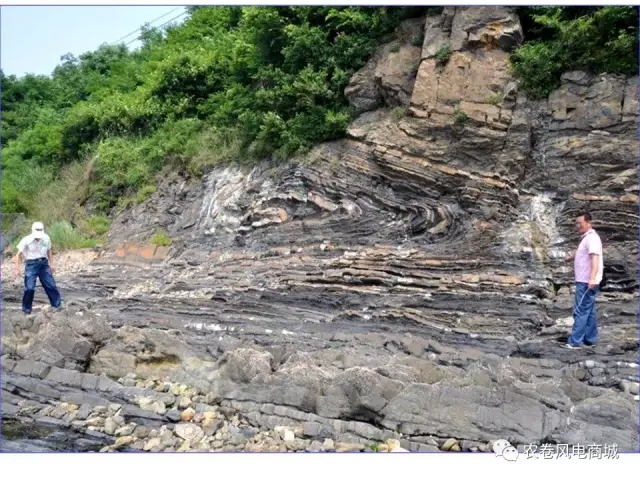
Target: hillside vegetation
pixel 232 84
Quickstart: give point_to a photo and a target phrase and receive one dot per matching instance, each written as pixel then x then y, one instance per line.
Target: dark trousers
pixel 585 327
pixel 39 269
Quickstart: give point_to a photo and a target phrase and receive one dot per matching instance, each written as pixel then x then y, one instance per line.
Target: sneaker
pixel 590 345
pixel 569 346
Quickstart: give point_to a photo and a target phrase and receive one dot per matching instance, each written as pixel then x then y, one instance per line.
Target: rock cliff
pixel 404 282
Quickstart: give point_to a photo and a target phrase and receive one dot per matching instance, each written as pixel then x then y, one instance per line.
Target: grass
pixel 495 99
pixel 144 193
pixel 443 55
pixel 459 116
pixel 161 239
pixel 417 41
pixel 59 202
pixel 211 148
pixel 65 237
pixel 399 112
pixel 98 224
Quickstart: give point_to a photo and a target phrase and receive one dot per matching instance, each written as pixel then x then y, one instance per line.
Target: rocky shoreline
pixel 431 398
pixel 170 417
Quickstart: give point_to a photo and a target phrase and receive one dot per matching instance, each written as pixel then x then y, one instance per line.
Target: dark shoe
pixel 27 313
pixel 569 346
pixel 591 345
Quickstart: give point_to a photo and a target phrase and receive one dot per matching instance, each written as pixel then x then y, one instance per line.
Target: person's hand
pixel 592 285
pixel 17 274
pixel 568 258
pixel 53 271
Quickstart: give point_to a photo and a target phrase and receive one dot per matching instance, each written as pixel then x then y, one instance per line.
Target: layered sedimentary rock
pixel 404 282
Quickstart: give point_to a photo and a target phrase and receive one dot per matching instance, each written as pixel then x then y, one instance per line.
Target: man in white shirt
pixel 35 249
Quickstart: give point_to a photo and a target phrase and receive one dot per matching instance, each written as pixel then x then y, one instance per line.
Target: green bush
pixel 65 237
pixel 144 193
pixel 98 225
pixel 443 55
pixel 459 116
pixel 398 112
pixel 161 239
pixel 595 39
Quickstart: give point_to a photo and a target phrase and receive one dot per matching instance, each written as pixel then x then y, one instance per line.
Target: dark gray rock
pixel 173 415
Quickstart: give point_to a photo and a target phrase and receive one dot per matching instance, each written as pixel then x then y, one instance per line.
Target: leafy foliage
pixel 596 39
pixel 257 82
pixel 161 239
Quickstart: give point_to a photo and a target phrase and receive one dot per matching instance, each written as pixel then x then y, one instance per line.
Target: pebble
pixel 125 431
pixel 152 444
pixel 110 426
pixel 184 402
pixel 315 447
pixel 349 447
pixel 185 447
pixel 141 431
pixel 123 441
pixel 69 407
pixel 449 444
pixel 189 432
pixel 83 412
pixel 173 415
pixel 637 398
pixel 46 411
pixel 114 407
pixel 159 388
pixel 95 422
pixel 152 405
pixel 393 446
pixel 187 415
pixel 100 409
pixel 138 445
pixel 285 434
pixel 328 444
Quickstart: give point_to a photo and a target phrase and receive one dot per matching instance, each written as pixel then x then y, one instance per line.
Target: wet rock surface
pixel 403 284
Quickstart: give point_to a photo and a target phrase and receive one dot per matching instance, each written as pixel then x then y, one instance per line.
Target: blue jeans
pixel 39 269
pixel 585 328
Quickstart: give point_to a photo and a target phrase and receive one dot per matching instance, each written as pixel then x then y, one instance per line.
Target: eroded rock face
pixel 388 77
pixel 407 279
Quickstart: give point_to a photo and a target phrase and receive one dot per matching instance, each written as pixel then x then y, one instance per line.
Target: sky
pixel 33 38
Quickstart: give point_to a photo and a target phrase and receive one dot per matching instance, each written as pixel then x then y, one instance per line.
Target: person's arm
pixel 595 266
pixel 50 257
pixel 20 248
pixel 595 250
pixel 17 262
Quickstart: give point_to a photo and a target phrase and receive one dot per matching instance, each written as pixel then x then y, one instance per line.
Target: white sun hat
pixel 37 230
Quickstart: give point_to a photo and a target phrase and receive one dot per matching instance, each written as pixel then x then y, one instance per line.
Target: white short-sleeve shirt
pixel 34 248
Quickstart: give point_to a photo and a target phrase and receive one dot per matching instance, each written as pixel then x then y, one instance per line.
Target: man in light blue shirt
pixel 35 249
